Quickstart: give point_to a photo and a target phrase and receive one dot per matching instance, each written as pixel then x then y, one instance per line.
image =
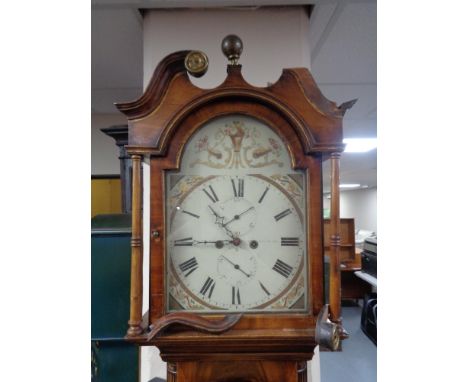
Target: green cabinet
pixel 113 359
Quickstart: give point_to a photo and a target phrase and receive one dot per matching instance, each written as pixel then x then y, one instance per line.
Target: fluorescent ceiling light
pixel 350 185
pixel 359 145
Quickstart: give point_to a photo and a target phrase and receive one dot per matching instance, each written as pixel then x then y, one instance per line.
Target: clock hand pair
pixel 219 221
pixel 237 217
pixel 236 266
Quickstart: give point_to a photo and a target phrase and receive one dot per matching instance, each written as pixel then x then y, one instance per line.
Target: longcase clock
pixel 236 221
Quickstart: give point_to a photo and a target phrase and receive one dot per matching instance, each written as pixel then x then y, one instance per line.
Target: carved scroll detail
pixel 193 321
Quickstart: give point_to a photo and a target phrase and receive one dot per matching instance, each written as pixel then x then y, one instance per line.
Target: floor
pixel 358 360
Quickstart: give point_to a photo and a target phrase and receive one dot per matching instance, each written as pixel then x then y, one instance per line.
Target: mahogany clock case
pixel 163 120
pixel 171 162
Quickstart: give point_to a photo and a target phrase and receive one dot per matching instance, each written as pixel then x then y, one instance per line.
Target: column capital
pixel 335 155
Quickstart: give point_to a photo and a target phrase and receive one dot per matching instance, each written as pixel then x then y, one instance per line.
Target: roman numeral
pixel 235 296
pixel 283 214
pixel 289 241
pixel 264 288
pixel 263 195
pixel 191 214
pixel 282 268
pixel 190 265
pixel 211 194
pixel 183 242
pixel 239 191
pixel 208 285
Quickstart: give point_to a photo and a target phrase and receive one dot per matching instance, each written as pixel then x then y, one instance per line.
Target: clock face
pixel 236 218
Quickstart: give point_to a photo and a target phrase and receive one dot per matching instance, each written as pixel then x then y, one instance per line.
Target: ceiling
pixel 343 62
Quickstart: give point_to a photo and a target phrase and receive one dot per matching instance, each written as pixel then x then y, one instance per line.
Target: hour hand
pixel 219 219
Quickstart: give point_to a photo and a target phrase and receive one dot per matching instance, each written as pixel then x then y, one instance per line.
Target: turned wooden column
pixel 302 371
pixel 335 239
pixel 171 372
pixel 136 281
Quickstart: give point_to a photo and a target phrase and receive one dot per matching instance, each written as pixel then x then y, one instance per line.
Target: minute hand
pixel 236 217
pixel 211 242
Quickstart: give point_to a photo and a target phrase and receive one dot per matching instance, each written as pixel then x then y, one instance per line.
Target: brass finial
pixel 196 63
pixel 232 48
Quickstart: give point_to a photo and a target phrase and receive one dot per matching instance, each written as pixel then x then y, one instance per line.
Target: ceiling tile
pixel 349 50
pixel 365 93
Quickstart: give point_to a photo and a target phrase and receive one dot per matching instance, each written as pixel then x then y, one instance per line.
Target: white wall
pixel 362 206
pixel 104 152
pixel 274 38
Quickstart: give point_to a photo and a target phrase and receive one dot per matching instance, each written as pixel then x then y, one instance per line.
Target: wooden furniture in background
pixel 352 288
pixel 105 195
pixel 120 134
pixel 348 255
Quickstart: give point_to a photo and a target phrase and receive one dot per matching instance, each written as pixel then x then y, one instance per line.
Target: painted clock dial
pixel 236 218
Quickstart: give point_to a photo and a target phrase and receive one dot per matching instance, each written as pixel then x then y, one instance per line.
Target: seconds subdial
pixel 238 269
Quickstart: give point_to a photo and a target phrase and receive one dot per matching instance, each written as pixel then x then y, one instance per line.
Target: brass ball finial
pixel 232 48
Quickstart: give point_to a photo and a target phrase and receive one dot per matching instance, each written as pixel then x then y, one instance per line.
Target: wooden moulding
pixel 268 344
pixel 171 96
